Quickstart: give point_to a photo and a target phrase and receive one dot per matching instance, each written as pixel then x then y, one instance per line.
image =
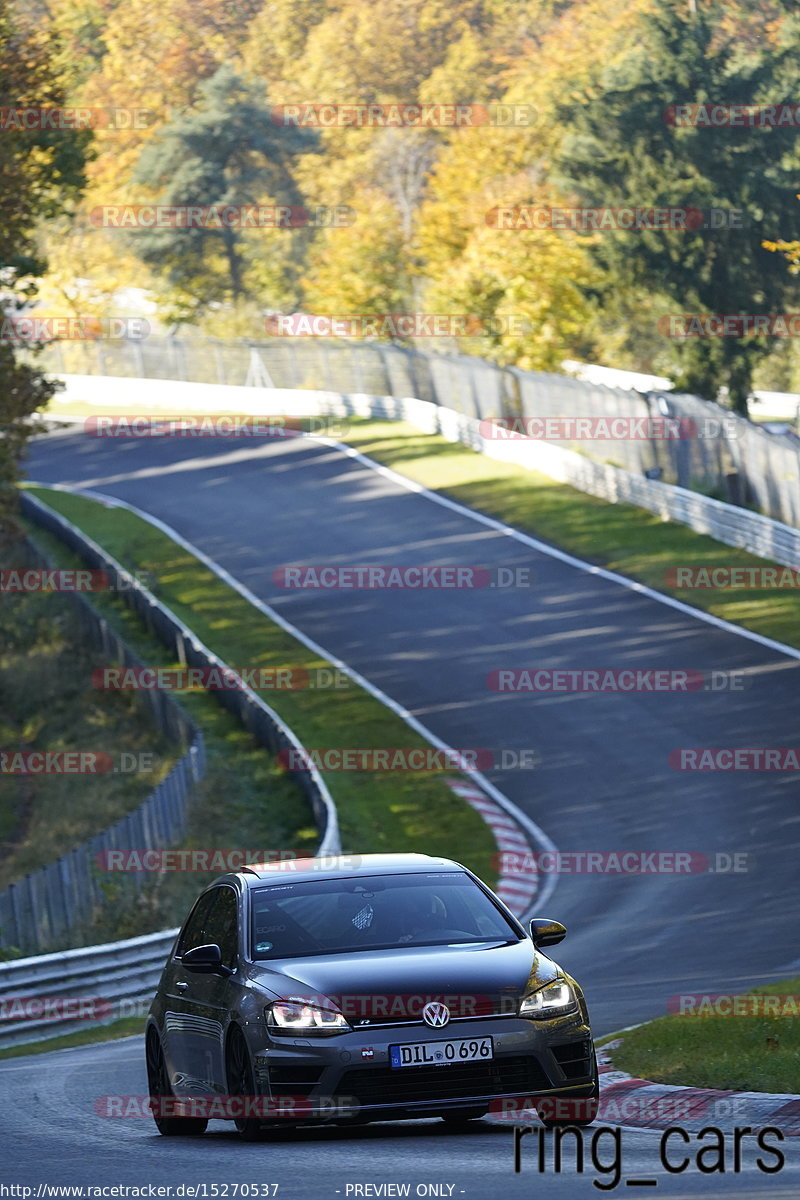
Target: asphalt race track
pixel 602 782
pixel 52 1135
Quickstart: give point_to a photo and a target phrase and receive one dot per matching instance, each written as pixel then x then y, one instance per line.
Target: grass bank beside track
pixel 45 708
pixel 390 811
pixel 753 1053
pixel 255 806
pixel 619 537
pixel 125 1027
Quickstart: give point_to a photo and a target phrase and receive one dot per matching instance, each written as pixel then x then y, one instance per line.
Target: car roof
pixel 331 867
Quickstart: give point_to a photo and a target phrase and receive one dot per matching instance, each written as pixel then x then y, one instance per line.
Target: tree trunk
pixel 234 263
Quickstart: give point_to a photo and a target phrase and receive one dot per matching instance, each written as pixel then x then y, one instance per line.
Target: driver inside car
pixel 422 913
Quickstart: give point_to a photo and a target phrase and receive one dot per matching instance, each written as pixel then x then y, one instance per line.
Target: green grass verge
pixel 743 1053
pixel 126 1027
pixel 622 538
pixel 45 707
pixel 390 811
pixel 255 806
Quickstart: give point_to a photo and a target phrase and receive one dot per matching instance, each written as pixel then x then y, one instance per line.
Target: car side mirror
pixel 547 933
pixel 205 960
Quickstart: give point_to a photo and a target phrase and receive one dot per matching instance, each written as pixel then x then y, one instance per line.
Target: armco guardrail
pixel 254 714
pixel 728 523
pixel 55 994
pixel 50 903
pixel 732 458
pixel 102 983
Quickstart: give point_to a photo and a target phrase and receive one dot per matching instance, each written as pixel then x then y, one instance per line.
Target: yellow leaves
pixel 789 250
pixel 358 269
pixel 158 55
pixel 368 54
pixel 421 196
pixel 276 38
pixel 590 35
pixel 531 282
pixel 461 190
pixel 463 75
pixel 85 268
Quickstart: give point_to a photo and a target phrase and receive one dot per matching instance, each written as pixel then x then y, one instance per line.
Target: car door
pixel 196 1010
pixel 211 997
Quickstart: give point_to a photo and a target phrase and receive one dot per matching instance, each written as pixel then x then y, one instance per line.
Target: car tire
pixel 589 1105
pixel 159 1088
pixel 241 1082
pixel 461 1116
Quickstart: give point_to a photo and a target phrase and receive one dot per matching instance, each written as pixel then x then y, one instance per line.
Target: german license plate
pixel 442 1054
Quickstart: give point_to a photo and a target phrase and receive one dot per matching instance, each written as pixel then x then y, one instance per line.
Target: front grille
pixel 521 1075
pixel 293 1080
pixel 574 1058
pixel 381 1011
pixel 397 1022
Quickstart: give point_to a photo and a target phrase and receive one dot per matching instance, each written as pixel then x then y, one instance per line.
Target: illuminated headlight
pixel 556 1000
pixel 296 1017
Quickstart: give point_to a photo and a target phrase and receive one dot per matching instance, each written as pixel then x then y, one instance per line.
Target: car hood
pixel 392 982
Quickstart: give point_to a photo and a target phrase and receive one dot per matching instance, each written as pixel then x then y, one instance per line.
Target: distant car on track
pixel 388 987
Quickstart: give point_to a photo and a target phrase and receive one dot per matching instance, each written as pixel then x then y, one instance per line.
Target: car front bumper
pixel 350 1076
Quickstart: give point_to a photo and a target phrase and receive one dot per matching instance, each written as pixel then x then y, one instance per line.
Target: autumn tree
pixel 40 171
pixel 358 268
pixel 224 152
pixel 402 53
pixel 626 147
pixel 595 77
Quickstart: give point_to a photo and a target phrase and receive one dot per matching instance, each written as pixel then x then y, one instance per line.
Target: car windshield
pixel 376 912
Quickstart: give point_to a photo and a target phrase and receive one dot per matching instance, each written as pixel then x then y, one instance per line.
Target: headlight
pixel 298 1017
pixel 556 1000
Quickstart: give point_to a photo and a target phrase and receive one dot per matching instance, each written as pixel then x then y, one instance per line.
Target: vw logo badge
pixel 435 1014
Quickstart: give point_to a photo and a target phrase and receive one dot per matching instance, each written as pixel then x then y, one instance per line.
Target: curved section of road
pixel 602 779
pixel 602 782
pixel 523 846
pixel 54 1135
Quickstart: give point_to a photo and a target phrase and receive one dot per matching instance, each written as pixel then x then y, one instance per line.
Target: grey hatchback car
pixel 384 987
